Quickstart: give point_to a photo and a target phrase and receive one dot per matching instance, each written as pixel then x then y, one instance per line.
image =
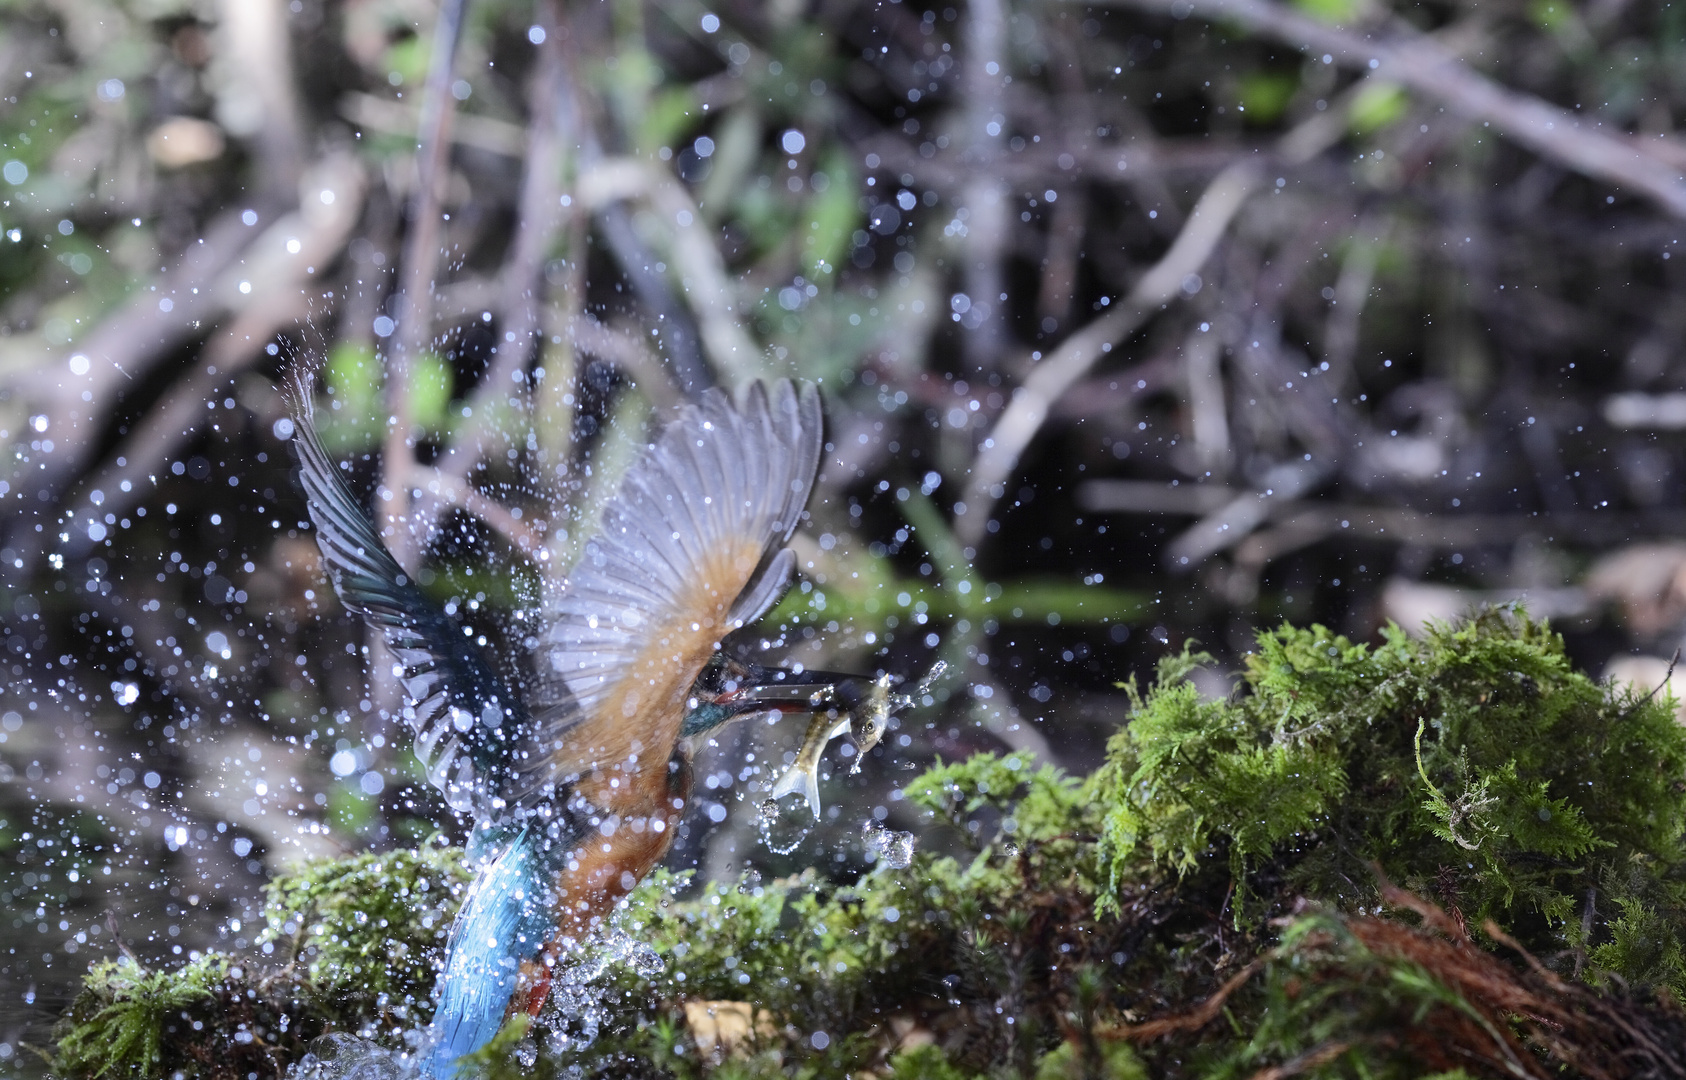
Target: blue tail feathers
pixel 506 919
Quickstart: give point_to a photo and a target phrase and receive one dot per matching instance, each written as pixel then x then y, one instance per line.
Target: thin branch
pixel 1352 292
pixel 1162 283
pixel 260 49
pixel 985 195
pixel 680 337
pixel 1283 484
pixel 172 424
pixel 540 215
pixel 1208 405
pixel 1418 62
pixel 1303 524
pixel 1102 163
pixel 628 351
pixel 121 349
pixel 420 259
pixel 278 298
pixel 697 262
pixel 1152 497
pixel 1050 379
pixel 526 538
pixel 1071 211
pixel 395 118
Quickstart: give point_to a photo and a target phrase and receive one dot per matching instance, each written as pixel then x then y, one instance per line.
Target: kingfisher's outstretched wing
pixel 470 730
pixel 691 548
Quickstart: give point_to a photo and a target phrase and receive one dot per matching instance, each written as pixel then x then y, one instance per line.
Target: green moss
pixel 1207 904
pixel 369 930
pixel 1473 765
pixel 120 1020
pixel 356 940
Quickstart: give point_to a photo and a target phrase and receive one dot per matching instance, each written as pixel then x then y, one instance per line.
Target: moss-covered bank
pixel 1453 853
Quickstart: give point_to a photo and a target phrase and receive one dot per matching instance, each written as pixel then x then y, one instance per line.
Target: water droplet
pixel 888 847
pixel 346 1057
pixel 646 961
pixel 785 822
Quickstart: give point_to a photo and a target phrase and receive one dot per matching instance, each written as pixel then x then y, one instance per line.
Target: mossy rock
pixel 1391 861
pixel 354 946
pixel 1473 764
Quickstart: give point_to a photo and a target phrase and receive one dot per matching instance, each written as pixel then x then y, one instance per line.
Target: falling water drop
pixel 346 1057
pixel 645 960
pixel 785 822
pixel 888 847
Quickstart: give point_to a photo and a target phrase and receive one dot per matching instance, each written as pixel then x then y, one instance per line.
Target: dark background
pixel 1137 324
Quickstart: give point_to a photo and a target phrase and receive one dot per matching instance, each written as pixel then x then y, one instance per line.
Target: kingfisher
pixel 576 778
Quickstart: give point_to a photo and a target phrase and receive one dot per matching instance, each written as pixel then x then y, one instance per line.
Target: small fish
pixel 871 717
pixel 857 706
pixel 870 714
pixel 803 774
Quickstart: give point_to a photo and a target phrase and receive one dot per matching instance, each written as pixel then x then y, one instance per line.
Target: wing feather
pixel 691 548
pixel 467 723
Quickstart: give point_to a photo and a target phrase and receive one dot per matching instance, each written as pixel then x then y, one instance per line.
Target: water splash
pixel 579 1003
pixel 346 1057
pixel 785 822
pixel 886 846
pixel 645 960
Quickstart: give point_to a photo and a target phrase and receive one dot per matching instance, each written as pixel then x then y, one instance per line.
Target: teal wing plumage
pixel 505 919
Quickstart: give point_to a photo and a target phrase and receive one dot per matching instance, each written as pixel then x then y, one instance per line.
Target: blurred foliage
pixel 1106 927
pixel 354 377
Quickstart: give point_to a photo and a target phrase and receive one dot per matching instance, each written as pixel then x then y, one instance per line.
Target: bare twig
pixel 1284 484
pixel 1152 497
pixel 985 196
pixel 527 538
pixel 627 351
pixel 540 216
pixel 121 349
pixel 1418 62
pixel 395 118
pixel 260 49
pixel 1051 378
pixel 1299 525
pixel 1071 210
pixel 278 298
pixel 1352 291
pixel 1162 283
pixel 1208 406
pixel 1318 1056
pixel 1106 163
pixel 420 258
pixel 1188 1022
pixel 167 427
pixel 698 263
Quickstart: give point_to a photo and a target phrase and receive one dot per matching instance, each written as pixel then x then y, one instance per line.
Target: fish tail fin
pixel 803 778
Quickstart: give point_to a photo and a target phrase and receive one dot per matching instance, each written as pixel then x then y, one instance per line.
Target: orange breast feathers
pixel 621 751
pixel 607 864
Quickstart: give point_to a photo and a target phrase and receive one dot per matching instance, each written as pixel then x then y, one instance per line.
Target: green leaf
pixel 1377 106
pixel 1265 95
pixel 1329 11
pixel 833 216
